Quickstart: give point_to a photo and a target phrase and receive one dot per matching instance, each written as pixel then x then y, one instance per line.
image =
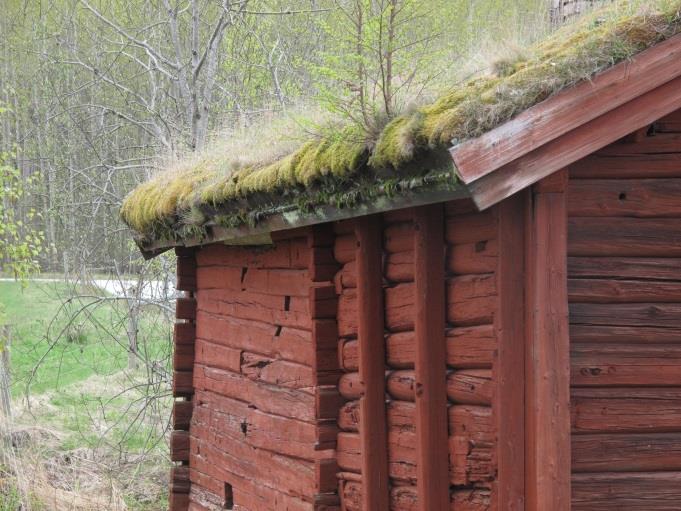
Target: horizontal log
pixel 467 348
pixel 636 166
pixel 471 300
pixel 263 430
pixel 626 492
pixel 637 237
pixel 183 357
pixel 622 291
pixel 626 364
pixel 179 446
pixel 185 308
pixel 258 337
pixel 398 237
pixel 399 308
pixel 184 333
pixel 625 410
pixel 623 334
pixel 468 386
pixel 285 254
pixel 186 274
pixel 659 143
pixel 626 452
pixel 182 414
pixel 223 457
pixel 282 311
pixel 470 457
pixel 208 494
pixel 216 355
pixel 463 259
pixel 344 248
pixel 652 268
pixel 473 258
pixel 640 198
pixel 179 479
pixel 464 420
pixel 471 228
pixel 202 499
pixel 399 267
pixel 286 402
pixel 282 373
pixel 182 383
pixel 405 498
pixel 666 315
pixel 178 501
pixel 323 301
pixel 471 386
pixel 346 277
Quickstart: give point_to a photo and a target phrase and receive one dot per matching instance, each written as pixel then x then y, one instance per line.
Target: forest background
pixel 98 95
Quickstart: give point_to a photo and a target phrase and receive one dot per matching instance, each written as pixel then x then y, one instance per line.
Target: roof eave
pixel 260 234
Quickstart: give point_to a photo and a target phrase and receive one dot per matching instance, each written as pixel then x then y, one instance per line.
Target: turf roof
pixel 343 168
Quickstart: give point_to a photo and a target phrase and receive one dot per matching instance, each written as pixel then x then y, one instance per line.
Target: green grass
pixel 56 342
pixel 71 354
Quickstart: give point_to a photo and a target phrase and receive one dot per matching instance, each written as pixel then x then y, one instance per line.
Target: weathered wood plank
pixel 622 291
pixel 658 143
pixel 467 348
pixel 624 237
pixel 640 198
pixel 626 410
pixel 509 360
pixel 626 364
pixel 648 268
pixel 666 315
pixel 405 498
pixel 624 334
pixel 649 166
pixel 374 441
pixel 547 363
pixel 431 389
pixel 626 492
pixel 626 452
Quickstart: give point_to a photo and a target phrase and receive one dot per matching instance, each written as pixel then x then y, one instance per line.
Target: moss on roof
pixel 340 165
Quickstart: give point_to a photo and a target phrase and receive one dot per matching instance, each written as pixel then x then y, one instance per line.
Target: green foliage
pixel 20 242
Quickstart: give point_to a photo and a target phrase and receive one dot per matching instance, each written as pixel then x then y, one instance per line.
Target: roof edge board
pixel 567 110
pixel 576 144
pixel 294 219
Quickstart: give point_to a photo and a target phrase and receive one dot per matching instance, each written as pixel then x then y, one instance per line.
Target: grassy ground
pixel 98 423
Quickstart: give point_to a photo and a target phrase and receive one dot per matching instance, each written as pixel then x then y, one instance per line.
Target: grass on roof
pixel 173 202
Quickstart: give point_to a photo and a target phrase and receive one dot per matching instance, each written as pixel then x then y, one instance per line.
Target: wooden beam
pixel 547 363
pixel 371 335
pixel 509 362
pixel 576 144
pixel 568 110
pixel 431 370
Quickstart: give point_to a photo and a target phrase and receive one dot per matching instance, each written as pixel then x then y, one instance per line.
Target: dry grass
pixel 41 472
pixel 188 195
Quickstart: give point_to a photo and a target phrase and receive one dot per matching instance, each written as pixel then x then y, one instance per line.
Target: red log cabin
pixel 508 340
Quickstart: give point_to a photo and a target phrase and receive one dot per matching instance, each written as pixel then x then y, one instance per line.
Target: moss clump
pixel 177 203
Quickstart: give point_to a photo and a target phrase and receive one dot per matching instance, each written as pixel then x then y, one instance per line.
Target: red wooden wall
pixel 264 375
pixel 468 256
pixel 624 206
